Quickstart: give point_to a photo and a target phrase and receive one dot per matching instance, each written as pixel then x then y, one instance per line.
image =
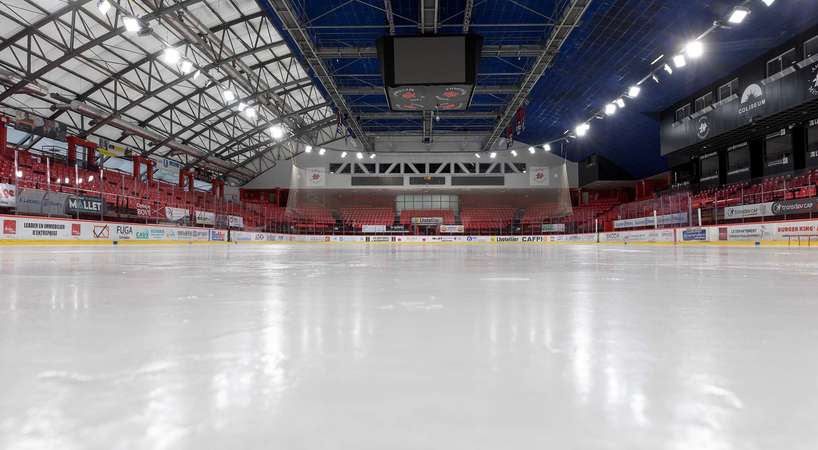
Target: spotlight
pixel 171 56
pixel 372 156
pixel 132 24
pixel 229 96
pixel 308 149
pixel 768 2
pixel 620 103
pixel 610 109
pixel 634 91
pixel 654 78
pixel 250 113
pixel 582 129
pixel 668 69
pixel 242 106
pixel 79 180
pixel 514 153
pixel 67 180
pixel 276 132
pixel 90 178
pixel 694 49
pixel 186 67
pixel 532 150
pixel 679 61
pixel 103 6
pixel 343 155
pixel 321 151
pixel 738 15
pixel 547 147
pixel 477 155
pixel 359 155
pixel 19 174
pixel 493 155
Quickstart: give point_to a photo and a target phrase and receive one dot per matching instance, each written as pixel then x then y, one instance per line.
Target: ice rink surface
pixel 319 347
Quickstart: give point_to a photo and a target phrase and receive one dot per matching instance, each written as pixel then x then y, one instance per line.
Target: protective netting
pixel 428 197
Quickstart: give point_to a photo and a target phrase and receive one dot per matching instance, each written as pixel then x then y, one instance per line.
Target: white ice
pixel 317 347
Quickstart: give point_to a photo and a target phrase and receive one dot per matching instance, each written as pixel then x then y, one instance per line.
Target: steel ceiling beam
pixel 390 17
pixel 73 53
pixel 294 26
pixel 428 16
pixel 376 90
pixel 499 51
pixel 560 32
pixel 315 126
pixel 467 11
pixel 389 115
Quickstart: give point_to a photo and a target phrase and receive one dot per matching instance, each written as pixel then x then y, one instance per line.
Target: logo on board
pixel 813 84
pixel 751 99
pixel 703 128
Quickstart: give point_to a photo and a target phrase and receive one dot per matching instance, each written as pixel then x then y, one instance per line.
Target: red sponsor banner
pixel 76 229
pixel 10 226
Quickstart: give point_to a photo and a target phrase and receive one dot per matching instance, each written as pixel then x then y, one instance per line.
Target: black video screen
pixel 430 60
pixel 778 150
pixel 710 167
pixel 812 144
pixel 738 159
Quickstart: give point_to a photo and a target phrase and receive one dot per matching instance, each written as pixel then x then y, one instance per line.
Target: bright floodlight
pixel 610 109
pixel 679 61
pixel 19 174
pixel 768 2
pixel 242 106
pixel 187 67
pixel 620 103
pixel 103 6
pixel 738 15
pixel 90 178
pixel 322 151
pixel 276 132
pixel 67 180
pixel 171 56
pixel 229 96
pixel 514 153
pixel 547 147
pixel 668 69
pixel 493 155
pixel 308 149
pixel 582 129
pixel 372 156
pixel 250 112
pixel 132 24
pixel 359 155
pixel 343 155
pixel 634 91
pixel 532 150
pixel 477 155
pixel 694 49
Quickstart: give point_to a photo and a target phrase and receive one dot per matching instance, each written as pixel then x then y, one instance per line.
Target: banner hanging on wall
pixel 747 211
pixel 84 205
pixel 316 176
pixel 176 214
pixel 539 176
pixel 205 218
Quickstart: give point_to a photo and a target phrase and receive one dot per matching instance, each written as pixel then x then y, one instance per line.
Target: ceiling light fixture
pixel 229 96
pixel 610 109
pixel 322 151
pixel 634 91
pixel 582 129
pixel 277 132
pixel 171 56
pixel 308 149
pixel 694 49
pixel 132 24
pixel 104 6
pixel 738 15
pixel 186 67
pixel 679 61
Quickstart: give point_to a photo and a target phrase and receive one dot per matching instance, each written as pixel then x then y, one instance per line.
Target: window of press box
pixel 728 89
pixel 333 168
pixel 811 47
pixel 703 102
pixel 781 62
pixel 682 112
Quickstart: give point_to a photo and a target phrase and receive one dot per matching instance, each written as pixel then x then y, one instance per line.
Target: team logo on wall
pixel 813 84
pixel 703 129
pixel 752 99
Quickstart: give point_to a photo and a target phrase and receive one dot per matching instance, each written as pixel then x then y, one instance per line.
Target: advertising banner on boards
pixel 8 198
pixel 800 206
pixel 40 203
pixel 373 228
pixel 235 221
pixel 452 229
pixel 205 218
pixel 553 228
pixel 84 205
pixel 176 214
